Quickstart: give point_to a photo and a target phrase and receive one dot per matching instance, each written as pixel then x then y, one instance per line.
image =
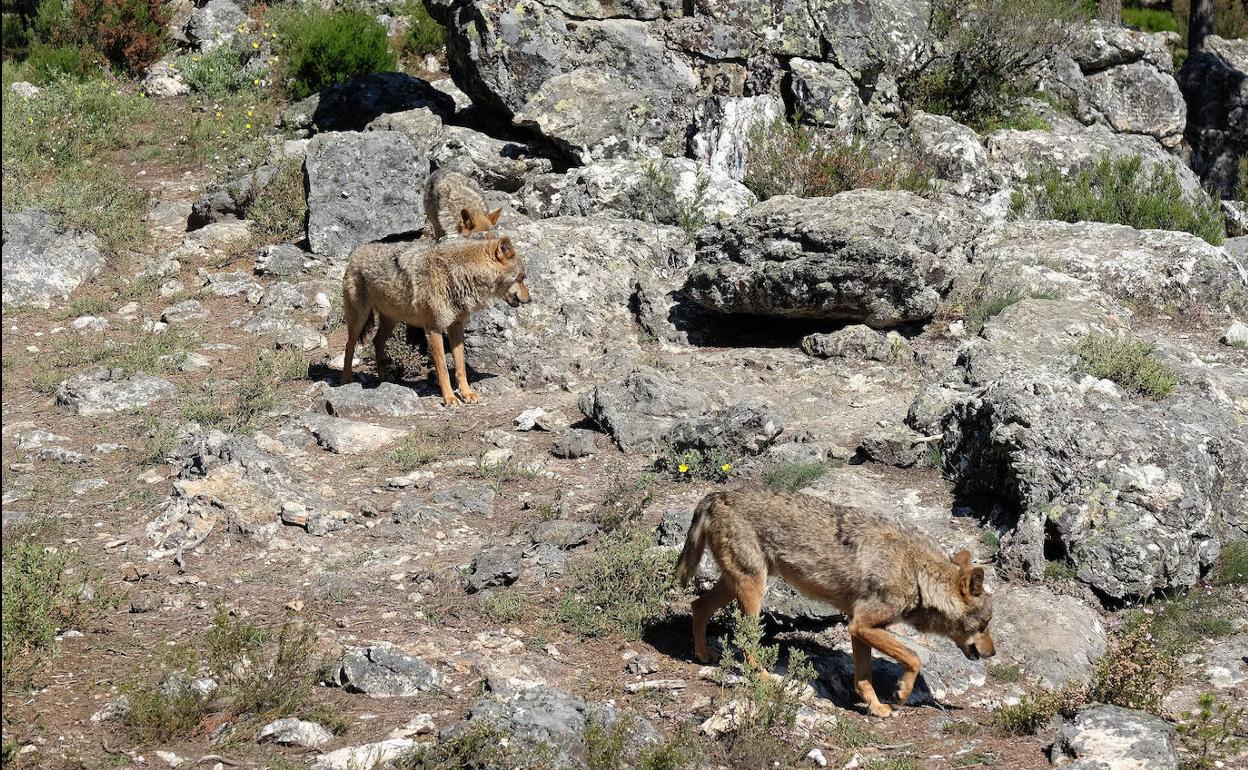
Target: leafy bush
pixel 1137 672
pixel 987 57
pixel 622 590
pixel 131 33
pixel 788 158
pixel 1119 190
pixel 325 48
pixel 16 37
pixel 1150 20
pixel 424 35
pixel 216 73
pixel 1131 364
pixel 1035 710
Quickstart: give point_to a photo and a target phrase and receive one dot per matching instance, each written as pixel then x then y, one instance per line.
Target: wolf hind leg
pixel 880 639
pixel 703 609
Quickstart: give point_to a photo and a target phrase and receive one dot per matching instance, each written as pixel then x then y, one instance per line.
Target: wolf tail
pixel 695 541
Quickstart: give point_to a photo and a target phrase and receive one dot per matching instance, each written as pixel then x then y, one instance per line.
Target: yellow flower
pixel 218 113
pixel 255 44
pixel 256 82
pixel 248 125
pixel 194 58
pixel 250 113
pixel 726 467
pixel 683 468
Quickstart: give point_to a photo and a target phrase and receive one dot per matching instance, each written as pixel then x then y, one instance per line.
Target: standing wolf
pixel 871 569
pixel 434 287
pixel 454 204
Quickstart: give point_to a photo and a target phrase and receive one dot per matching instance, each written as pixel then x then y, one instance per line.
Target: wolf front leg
pixel 438 354
pixel 456 336
pixel 866 635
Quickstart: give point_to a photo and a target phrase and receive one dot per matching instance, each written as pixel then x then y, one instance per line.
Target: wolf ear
pixel 503 249
pixel 494 215
pixel 465 221
pixel 962 559
pixel 971 582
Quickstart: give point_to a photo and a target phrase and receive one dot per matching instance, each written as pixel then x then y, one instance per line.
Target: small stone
pixel 169 758
pixel 575 443
pixel 1236 334
pixel 816 756
pixel 495 457
pixel 295 732
pixel 89 323
pixel 184 311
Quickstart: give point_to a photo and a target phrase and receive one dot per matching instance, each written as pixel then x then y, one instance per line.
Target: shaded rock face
pixel 1215 84
pixel 362 187
pixel 351 106
pixel 876 257
pixel 601 78
pixel 1138 495
pixel 639 410
pixel 553 721
pixel 1114 737
pixel 44 261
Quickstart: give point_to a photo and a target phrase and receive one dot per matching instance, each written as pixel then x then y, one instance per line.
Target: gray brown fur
pixel 432 286
pixel 454 204
pixel 873 569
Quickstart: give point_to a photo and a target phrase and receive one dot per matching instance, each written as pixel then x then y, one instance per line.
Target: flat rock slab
pixel 98 392
pixel 43 260
pixel 1052 639
pixel 383 670
pixel 365 757
pixel 350 437
pixel 1113 738
pixel 385 400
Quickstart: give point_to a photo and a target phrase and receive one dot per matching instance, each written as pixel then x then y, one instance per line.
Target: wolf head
pixel 510 285
pixel 970 631
pixel 471 221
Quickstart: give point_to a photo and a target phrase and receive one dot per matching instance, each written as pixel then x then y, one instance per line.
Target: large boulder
pixel 1121 78
pixel 581 274
pixel 877 257
pixel 362 187
pixel 1137 494
pixel 43 260
pixel 1215 82
pixel 675 191
pixel 1052 639
pixel 214 24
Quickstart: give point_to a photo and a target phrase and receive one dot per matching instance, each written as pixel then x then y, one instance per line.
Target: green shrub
pixel 476 747
pixel 49 63
pixel 794 476
pixel 215 74
pixel 624 500
pixel 424 35
pixel 325 48
pixel 280 207
pixel 16 38
pixel 622 589
pixel 987 57
pixel 45 591
pixel 1232 567
pixel 1181 623
pixel 1131 364
pixel 1035 709
pixel 789 158
pixel 1119 190
pixel 1150 20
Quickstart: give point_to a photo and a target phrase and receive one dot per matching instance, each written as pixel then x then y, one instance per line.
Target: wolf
pixel 432 286
pixel 454 204
pixel 871 568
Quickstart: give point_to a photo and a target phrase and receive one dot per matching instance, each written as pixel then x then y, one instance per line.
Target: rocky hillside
pixel 978 268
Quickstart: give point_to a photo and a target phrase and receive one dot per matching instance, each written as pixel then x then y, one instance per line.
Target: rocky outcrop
pixel 876 257
pixel 99 391
pixel 1135 493
pixel 1215 82
pixel 639 410
pixel 1123 79
pixel 43 260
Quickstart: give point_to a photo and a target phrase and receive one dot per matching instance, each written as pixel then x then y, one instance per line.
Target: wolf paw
pixel 880 710
pixel 451 400
pixel 709 657
pixel 469 395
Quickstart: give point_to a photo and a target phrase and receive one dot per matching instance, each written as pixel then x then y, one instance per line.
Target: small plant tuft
pixel 690 464
pixel 794 476
pixel 1131 364
pixel 1209 735
pixel 622 589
